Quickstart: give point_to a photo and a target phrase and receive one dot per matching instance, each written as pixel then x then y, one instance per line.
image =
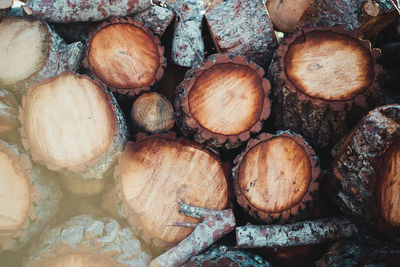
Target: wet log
pixel 243 27
pixel 71 124
pixel 154 175
pixel 324 81
pixel 227 256
pixel 276 177
pixel 91 10
pixel 34 53
pixel 365 251
pixel 124 55
pixel 365 170
pixel 8 112
pixel 214 225
pixel 222 101
pixel 152 113
pixel 296 234
pixel 84 241
pixel 29 198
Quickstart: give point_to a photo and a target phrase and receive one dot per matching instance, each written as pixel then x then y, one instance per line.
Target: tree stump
pixel 365 173
pixel 125 56
pixel 8 111
pixel 155 174
pixel 324 81
pixel 222 101
pixel 276 177
pixel 34 53
pixel 243 27
pixel 83 241
pixel 29 199
pixel 152 113
pixel 72 125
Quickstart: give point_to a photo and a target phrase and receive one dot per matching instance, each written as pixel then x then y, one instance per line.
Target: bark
pixel 255 169
pixel 45 195
pixel 321 121
pixel 104 239
pixel 155 18
pixel 8 111
pixel 243 27
pixel 217 69
pixel 60 57
pixel 364 251
pixel 357 178
pixel 214 225
pixel 75 31
pixel 296 234
pixel 226 256
pixel 91 10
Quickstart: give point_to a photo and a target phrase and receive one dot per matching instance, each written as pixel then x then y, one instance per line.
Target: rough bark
pixel 102 239
pixel 203 119
pixel 214 225
pixel 85 157
pixel 8 111
pixel 59 57
pixel 226 256
pixel 279 192
pixel 361 158
pixel 296 234
pixel 365 251
pixel 125 55
pixel 323 120
pixel 243 27
pixel 44 193
pixel 91 10
pixel 155 18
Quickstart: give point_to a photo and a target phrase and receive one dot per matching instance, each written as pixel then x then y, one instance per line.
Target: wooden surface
pixel 81 260
pixel 156 174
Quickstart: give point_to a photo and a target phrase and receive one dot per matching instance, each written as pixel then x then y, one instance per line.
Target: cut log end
pixel 125 55
pixel 286 14
pixel 22 59
pixel 329 66
pixel 152 113
pixel 76 125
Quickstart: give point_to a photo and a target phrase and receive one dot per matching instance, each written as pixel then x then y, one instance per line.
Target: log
pixel 276 177
pixel 365 173
pixel 214 225
pixel 8 112
pixel 320 94
pixel 227 256
pixel 155 18
pixel 34 53
pixel 71 124
pixel 155 174
pixel 365 251
pixel 125 56
pixel 152 113
pixel 222 101
pixel 75 31
pixel 29 198
pixel 243 27
pixel 84 241
pixel 5 7
pixel 90 10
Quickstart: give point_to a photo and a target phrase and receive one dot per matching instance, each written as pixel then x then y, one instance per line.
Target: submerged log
pixel 34 53
pixel 72 124
pixel 28 198
pixel 276 177
pixel 324 81
pixel 223 100
pixel 125 56
pixel 84 241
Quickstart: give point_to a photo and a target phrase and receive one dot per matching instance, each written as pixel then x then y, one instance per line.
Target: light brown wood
pixel 275 174
pixel 24 45
pixel 81 260
pixel 153 113
pixel 389 189
pixel 70 122
pixel 124 56
pixel 285 14
pixel 329 66
pixel 227 99
pixel 14 196
pixel 156 174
